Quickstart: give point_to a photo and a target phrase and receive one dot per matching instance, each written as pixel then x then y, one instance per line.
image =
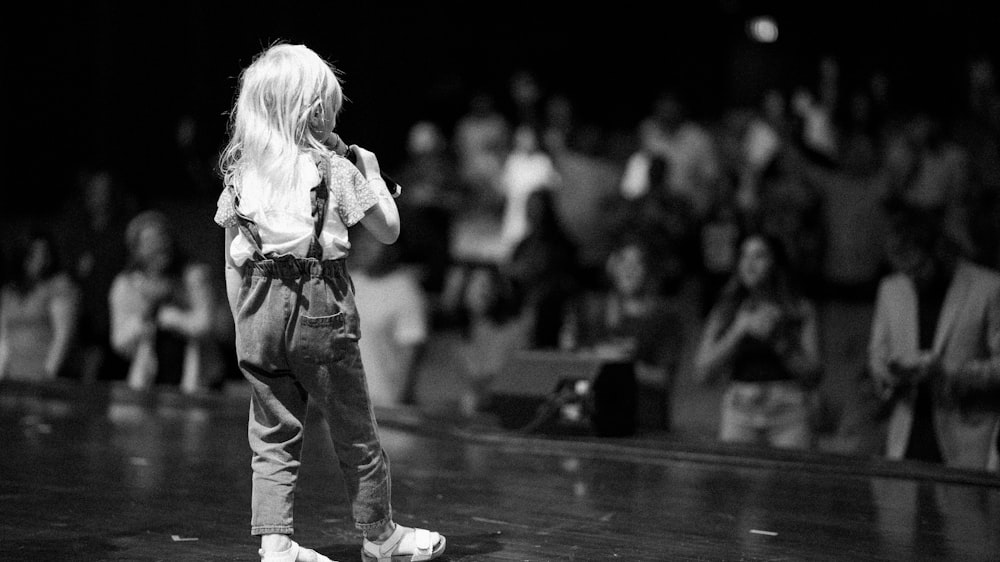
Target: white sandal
pixel 426 545
pixel 292 555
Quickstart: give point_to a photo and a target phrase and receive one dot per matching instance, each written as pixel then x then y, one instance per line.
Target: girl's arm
pixel 234 273
pixel 382 219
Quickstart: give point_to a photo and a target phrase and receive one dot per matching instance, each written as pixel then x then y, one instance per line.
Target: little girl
pixel 288 201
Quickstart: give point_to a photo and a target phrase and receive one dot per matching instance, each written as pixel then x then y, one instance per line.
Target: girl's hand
pixel 366 161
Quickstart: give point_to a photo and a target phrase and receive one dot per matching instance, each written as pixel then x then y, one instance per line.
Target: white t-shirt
pixel 394 316
pixel 523 174
pixel 288 229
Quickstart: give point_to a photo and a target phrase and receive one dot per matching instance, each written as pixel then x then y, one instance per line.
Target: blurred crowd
pixel 753 243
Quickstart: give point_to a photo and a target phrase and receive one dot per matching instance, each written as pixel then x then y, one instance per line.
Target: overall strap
pixel 319 196
pixel 248 228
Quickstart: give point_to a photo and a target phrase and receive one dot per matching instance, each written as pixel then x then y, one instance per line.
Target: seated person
pixel 488 308
pixel 39 308
pixel 394 307
pixel 634 320
pixel 162 311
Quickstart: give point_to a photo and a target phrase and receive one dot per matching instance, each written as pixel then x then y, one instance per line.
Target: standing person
pixel 935 347
pixel 90 228
pixel 633 319
pixel 287 206
pixel 764 333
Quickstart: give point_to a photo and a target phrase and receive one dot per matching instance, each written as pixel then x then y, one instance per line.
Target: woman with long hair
pixel 762 333
pixel 39 309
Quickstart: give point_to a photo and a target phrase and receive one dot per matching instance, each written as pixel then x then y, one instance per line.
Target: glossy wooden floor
pixel 86 474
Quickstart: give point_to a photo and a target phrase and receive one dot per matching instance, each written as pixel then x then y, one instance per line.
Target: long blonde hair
pixel 269 125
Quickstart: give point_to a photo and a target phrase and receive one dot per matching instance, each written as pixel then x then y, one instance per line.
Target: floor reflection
pixel 134 473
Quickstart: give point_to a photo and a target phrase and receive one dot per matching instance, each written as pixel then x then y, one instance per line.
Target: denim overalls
pixel 297 331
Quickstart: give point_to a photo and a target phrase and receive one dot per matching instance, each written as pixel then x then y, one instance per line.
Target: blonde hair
pixel 269 123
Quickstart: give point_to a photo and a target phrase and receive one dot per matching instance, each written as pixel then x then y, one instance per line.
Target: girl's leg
pixel 339 390
pixel 277 410
pixel 322 350
pixel 343 398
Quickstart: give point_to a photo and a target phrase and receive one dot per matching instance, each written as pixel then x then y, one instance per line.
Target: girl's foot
pixel 294 553
pixel 403 544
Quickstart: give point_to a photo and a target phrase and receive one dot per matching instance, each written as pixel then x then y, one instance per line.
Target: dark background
pixel 104 83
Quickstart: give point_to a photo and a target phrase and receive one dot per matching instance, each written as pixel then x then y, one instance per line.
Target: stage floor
pixel 91 473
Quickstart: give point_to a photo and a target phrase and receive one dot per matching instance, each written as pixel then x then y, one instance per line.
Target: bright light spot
pixel 763 29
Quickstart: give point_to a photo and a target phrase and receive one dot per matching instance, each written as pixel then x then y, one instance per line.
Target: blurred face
pixel 525 140
pixel 98 192
pixel 668 110
pixel 774 104
pixel 37 259
pixel 153 249
pixel 910 260
pixel 628 271
pixel 756 262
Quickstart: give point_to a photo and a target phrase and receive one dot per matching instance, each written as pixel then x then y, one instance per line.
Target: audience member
pixel 674 231
pixel 493 327
pixel 526 95
pixel 938 178
pixel 977 132
pixel 814 108
pixel 692 166
pixel 789 209
pixel 527 168
pixel 935 347
pixel 850 199
pixel 632 319
pixel 481 141
pixel 763 334
pixel 544 265
pixel 396 317
pixel 39 309
pixel 90 238
pixel 720 236
pixel 162 311
pixel 432 201
pixel 588 184
pixel 760 144
pixel 646 170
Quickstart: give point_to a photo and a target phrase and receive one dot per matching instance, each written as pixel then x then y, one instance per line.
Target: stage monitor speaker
pixel 538 381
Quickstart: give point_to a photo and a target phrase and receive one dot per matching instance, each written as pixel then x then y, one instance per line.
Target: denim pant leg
pixel 277 414
pixel 323 353
pixel 278 402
